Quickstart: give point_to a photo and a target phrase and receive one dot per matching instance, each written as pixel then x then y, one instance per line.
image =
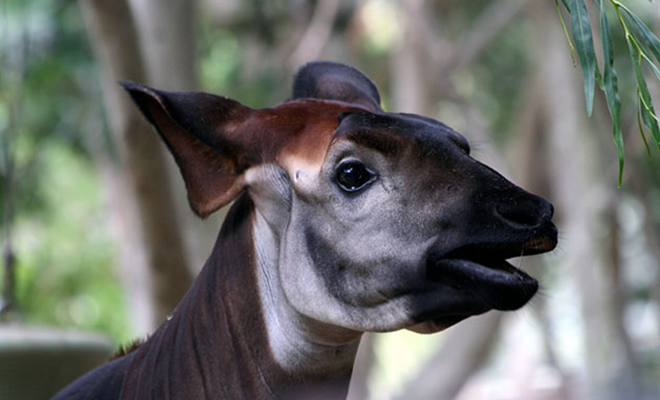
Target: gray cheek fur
pixel 353 262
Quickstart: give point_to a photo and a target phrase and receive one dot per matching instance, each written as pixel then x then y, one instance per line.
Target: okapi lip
pixel 437 324
pixel 495 284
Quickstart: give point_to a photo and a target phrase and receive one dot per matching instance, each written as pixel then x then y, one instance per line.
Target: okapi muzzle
pixel 346 219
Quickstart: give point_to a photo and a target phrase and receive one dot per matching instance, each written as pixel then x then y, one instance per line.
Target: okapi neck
pixel 215 345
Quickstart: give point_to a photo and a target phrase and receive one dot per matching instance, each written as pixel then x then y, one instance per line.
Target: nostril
pixel 521 216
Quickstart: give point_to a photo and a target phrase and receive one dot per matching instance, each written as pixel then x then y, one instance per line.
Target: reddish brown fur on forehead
pixel 297 132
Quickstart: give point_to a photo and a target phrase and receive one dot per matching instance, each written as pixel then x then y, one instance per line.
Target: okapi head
pixel 362 220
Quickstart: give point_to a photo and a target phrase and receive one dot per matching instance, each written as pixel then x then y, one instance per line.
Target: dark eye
pixel 353 176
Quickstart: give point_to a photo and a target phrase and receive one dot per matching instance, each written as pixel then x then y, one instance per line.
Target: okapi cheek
pixel 270 190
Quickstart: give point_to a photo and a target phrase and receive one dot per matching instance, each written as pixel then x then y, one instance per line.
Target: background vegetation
pixel 84 231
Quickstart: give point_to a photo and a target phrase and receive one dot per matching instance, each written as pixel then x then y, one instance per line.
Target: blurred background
pixel 97 233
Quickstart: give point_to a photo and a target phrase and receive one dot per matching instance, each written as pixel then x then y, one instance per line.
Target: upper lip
pixel 481 272
pixel 538 241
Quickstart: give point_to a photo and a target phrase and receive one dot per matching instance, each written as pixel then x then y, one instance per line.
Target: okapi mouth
pixel 483 275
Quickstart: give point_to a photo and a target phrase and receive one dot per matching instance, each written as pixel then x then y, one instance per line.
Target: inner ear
pixel 333 81
pixel 204 134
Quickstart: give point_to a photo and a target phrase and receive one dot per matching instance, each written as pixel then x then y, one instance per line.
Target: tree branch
pixel 317 34
pixel 487 27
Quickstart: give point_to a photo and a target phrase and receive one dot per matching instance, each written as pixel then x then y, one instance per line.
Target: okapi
pixel 346 219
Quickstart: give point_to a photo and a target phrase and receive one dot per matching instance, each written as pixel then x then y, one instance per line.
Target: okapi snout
pixel 526 212
pixel 529 216
pixel 472 268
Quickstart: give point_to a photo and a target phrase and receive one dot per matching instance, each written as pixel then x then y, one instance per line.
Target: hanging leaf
pixel 641 128
pixel 599 79
pixel 654 68
pixel 584 47
pixel 646 109
pixel 611 87
pixel 568 37
pixel 648 37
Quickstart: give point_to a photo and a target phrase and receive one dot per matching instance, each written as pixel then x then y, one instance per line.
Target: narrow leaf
pixel 568 37
pixel 647 111
pixel 611 87
pixel 641 128
pixel 599 79
pixel 647 35
pixel 584 46
pixel 654 68
pixel 565 3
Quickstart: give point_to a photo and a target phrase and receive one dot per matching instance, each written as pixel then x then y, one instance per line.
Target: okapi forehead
pixel 300 131
pixel 389 133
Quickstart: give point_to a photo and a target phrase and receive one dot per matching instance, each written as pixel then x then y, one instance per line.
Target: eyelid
pixel 350 160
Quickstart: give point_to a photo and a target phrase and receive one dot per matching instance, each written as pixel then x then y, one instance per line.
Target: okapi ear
pixel 203 133
pixel 333 81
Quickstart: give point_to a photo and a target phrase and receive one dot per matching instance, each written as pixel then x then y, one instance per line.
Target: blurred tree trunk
pixel 409 62
pixel 166 29
pixel 316 35
pixel 464 349
pixel 167 38
pixel 582 198
pixel 528 158
pixel 359 388
pixel 115 42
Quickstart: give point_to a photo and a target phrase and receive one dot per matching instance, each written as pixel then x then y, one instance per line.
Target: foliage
pixel 48 132
pixel 65 265
pixel 643 45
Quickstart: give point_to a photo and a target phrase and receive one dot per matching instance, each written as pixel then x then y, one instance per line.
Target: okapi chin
pixel 346 219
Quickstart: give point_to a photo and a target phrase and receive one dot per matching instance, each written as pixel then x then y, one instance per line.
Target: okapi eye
pixel 353 176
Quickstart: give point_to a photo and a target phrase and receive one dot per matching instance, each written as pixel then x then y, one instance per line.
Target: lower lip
pixel 437 324
pixel 497 285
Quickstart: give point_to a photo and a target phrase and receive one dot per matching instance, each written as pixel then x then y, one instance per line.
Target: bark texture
pixel 166 29
pixel 115 42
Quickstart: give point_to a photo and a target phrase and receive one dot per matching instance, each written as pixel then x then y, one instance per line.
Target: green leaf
pixel 648 113
pixel 648 37
pixel 640 127
pixel 611 87
pixel 568 37
pixel 565 3
pixel 599 80
pixel 584 45
pixel 655 69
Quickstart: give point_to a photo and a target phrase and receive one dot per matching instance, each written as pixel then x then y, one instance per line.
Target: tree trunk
pixel 465 347
pixel 577 192
pixel 115 42
pixel 359 388
pixel 167 34
pixel 410 89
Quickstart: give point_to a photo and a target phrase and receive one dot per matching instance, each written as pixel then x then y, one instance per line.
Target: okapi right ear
pixel 333 81
pixel 203 133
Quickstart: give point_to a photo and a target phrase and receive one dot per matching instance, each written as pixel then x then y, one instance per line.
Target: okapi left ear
pixel 204 134
pixel 333 81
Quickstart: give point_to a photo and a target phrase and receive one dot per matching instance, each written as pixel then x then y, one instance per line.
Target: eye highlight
pixel 352 176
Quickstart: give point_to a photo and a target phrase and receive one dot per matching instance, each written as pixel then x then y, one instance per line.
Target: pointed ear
pixel 203 133
pixel 334 81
